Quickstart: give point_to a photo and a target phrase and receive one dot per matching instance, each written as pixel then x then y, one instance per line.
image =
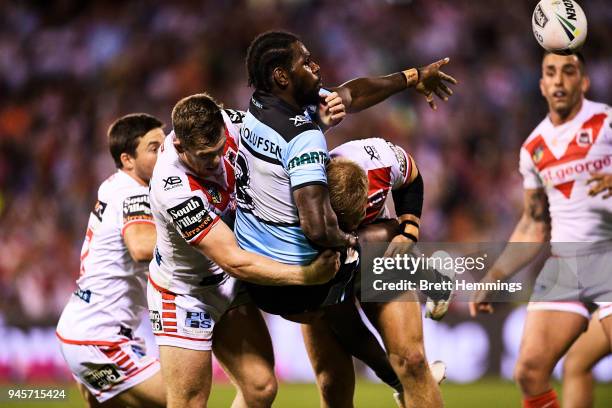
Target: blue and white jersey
pixel 281 149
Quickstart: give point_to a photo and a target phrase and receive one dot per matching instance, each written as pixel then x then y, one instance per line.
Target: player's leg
pixel 354 336
pixel 400 326
pixel 547 336
pixel 605 317
pixel 149 393
pixel 187 374
pixel 244 349
pixel 590 347
pixel 332 365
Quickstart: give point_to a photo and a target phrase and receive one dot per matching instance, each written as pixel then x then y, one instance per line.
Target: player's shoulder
pixel 286 121
pixel 538 131
pixel 119 186
pixel 598 107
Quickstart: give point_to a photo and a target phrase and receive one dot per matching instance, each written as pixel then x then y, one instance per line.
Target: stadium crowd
pixel 67 71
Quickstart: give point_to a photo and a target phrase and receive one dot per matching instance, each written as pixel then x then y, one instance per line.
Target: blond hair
pixel 348 190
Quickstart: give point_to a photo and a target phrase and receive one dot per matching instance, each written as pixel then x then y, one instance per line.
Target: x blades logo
pixel 299 120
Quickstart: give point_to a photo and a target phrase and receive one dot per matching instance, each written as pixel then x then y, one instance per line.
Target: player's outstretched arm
pixel 140 239
pixel 317 218
pixel 533 227
pixel 361 93
pixel 220 246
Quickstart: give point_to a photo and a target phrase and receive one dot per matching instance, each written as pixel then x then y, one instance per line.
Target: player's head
pixel 279 61
pixel 564 82
pixel 348 192
pixel 200 133
pixel 133 141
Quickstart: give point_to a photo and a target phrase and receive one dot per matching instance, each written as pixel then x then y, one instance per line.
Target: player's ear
pixel 585 84
pixel 542 87
pixel 280 77
pixel 127 161
pixel 177 145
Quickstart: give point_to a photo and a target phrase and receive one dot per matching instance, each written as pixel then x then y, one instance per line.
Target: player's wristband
pixel 408 222
pixel 412 76
pixel 407 234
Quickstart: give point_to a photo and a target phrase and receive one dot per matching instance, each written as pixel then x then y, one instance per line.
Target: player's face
pixel 146 153
pixel 563 83
pixel 206 161
pixel 305 76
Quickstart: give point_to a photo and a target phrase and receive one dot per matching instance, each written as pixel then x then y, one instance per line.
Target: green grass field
pixel 485 393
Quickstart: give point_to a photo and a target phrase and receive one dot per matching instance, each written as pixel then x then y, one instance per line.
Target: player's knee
pixel 531 371
pixel 261 393
pixel 409 363
pixel 188 397
pixel 573 366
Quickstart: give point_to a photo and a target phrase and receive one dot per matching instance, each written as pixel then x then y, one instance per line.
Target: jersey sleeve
pixel 305 158
pixel 136 209
pixel 531 178
pixel 401 167
pixel 184 205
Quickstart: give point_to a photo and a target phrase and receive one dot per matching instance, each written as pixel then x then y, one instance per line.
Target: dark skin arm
pixel 317 218
pixel 361 93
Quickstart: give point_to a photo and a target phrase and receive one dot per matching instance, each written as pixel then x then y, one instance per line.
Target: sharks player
pixel 283 201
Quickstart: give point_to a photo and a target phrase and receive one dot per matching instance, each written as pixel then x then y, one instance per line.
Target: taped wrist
pixel 412 76
pixel 409 200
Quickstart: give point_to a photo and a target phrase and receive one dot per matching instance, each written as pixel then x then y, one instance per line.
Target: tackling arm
pixel 221 247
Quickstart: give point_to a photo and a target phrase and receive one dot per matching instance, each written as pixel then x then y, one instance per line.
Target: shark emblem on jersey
pixel 299 120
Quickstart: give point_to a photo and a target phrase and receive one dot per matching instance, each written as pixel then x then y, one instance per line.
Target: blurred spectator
pixel 68 70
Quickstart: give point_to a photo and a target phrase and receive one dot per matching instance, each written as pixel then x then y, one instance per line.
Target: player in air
pixel 563 203
pixel 283 201
pixel 196 264
pixel 96 328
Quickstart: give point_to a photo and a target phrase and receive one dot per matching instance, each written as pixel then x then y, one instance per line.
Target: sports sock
pixel 546 400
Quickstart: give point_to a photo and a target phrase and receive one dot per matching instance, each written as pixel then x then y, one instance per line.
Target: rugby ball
pixel 559 26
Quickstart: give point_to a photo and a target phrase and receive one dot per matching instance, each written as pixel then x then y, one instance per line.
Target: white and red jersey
pixel 185 208
pixel 387 166
pixel 111 287
pixel 560 159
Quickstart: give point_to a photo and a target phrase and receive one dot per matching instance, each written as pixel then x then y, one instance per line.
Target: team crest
pixel 584 138
pixel 537 155
pixel 230 156
pixel 215 196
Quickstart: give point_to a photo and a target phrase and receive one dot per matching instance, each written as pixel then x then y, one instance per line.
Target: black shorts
pixel 285 300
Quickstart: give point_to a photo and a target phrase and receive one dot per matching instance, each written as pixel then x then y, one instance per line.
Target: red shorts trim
pixel 90 342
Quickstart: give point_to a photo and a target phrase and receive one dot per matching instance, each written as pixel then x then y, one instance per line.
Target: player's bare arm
pixel 361 93
pixel 140 239
pixel 221 247
pixel 317 218
pixel 533 227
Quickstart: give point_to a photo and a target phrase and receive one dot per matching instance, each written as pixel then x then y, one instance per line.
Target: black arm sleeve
pixel 409 199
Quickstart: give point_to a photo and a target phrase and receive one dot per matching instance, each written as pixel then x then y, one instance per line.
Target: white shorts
pixel 111 368
pixel 187 321
pixel 581 308
pixel 579 284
